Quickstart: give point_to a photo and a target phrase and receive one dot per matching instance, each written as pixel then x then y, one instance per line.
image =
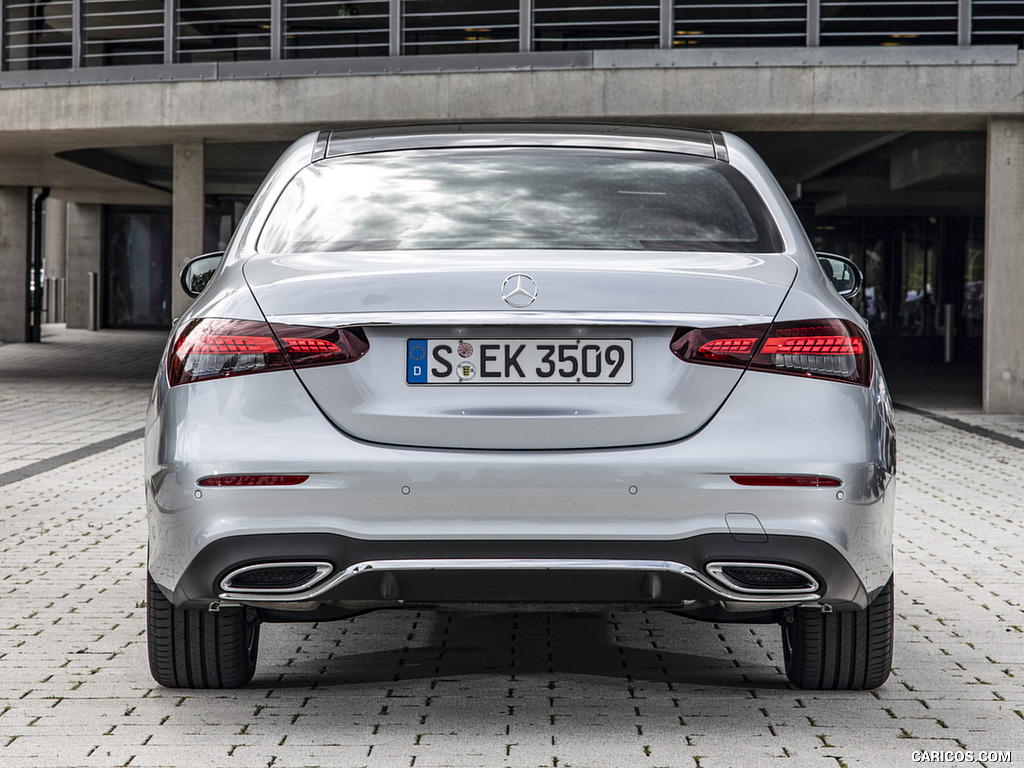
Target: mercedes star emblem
pixel 519 290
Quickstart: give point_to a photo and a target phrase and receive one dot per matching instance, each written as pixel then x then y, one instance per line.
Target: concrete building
pixel 133 132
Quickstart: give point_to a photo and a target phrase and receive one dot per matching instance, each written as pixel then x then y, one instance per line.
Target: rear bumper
pixel 657 515
pixel 378 574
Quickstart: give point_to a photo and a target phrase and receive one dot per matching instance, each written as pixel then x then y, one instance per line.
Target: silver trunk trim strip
pixel 522 317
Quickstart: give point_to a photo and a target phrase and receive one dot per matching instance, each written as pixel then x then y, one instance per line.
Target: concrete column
pixel 84 255
pixel 55 239
pixel 55 258
pixel 187 219
pixel 1003 382
pixel 14 245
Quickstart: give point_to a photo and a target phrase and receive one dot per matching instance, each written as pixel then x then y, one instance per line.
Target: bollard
pixel 94 301
pixel 49 299
pixel 948 328
pixel 60 300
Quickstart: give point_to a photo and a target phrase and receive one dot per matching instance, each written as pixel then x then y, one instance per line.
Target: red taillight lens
pixel 830 349
pixel 813 344
pixel 726 348
pixel 213 348
pixel 787 481
pixel 308 346
pixel 718 346
pixel 236 481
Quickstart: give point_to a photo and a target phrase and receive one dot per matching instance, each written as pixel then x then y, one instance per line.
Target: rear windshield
pixel 519 198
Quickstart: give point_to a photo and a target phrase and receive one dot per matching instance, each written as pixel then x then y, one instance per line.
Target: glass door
pixel 137 268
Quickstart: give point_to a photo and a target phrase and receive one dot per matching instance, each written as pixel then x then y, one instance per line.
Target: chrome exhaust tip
pixel 275 578
pixel 763 578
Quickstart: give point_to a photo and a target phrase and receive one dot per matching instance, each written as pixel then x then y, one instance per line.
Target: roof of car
pixel 606 135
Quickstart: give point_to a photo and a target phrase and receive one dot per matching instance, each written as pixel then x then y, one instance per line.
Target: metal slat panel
pixel 740 24
pixel 327 30
pixel 119 32
pixel 997 22
pixel 560 25
pixel 889 22
pixel 38 36
pixel 49 35
pixel 223 30
pixel 460 26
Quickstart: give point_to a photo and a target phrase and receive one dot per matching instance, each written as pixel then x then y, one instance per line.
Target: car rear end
pixel 497 368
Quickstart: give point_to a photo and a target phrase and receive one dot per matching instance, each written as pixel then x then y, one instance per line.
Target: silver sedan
pixel 520 367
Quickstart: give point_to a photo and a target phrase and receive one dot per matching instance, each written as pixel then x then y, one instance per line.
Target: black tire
pixel 845 650
pixel 191 648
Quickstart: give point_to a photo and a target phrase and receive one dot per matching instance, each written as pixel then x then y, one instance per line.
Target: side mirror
pixel 198 271
pixel 844 275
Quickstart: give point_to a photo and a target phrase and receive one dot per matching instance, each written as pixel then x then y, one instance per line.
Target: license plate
pixel 519 361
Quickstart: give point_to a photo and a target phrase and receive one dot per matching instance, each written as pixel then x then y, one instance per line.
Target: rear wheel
pixel 191 648
pixel 843 650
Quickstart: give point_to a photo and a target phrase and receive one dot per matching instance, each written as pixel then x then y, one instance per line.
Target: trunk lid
pixel 612 303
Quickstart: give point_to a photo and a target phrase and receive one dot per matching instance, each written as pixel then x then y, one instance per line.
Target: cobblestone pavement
pixel 402 689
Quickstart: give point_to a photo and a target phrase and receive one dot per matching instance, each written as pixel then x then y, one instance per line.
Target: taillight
pixel 213 348
pixel 237 481
pixel 829 349
pixel 787 481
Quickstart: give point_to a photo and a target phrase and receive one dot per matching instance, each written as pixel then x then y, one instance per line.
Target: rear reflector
pixel 213 348
pixel 234 481
pixel 828 349
pixel 790 481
